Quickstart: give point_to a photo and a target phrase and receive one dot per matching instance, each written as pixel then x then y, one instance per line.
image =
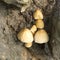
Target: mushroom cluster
pixel 40 36
pixel 26 36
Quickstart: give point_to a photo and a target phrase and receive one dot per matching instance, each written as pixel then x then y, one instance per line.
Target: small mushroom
pixel 26 36
pixel 28 44
pixel 41 37
pixel 39 24
pixel 33 29
pixel 38 14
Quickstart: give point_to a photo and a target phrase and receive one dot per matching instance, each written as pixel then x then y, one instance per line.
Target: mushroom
pixel 39 24
pixel 38 14
pixel 41 37
pixel 26 36
pixel 33 29
pixel 28 44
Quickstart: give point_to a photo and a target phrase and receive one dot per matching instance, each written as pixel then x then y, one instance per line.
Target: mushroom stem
pixel 28 45
pixel 33 29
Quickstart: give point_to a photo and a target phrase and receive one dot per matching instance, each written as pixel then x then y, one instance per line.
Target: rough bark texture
pixel 12 20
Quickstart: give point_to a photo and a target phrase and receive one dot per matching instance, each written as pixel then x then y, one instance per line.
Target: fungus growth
pixel 36 33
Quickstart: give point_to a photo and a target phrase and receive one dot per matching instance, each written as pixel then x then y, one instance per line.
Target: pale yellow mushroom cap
pixel 38 14
pixel 41 36
pixel 39 24
pixel 33 29
pixel 25 36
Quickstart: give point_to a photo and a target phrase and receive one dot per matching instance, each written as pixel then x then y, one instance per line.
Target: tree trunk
pixel 12 20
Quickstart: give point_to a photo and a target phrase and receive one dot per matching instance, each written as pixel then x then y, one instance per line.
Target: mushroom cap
pixel 25 35
pixel 39 24
pixel 41 36
pixel 38 14
pixel 33 29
